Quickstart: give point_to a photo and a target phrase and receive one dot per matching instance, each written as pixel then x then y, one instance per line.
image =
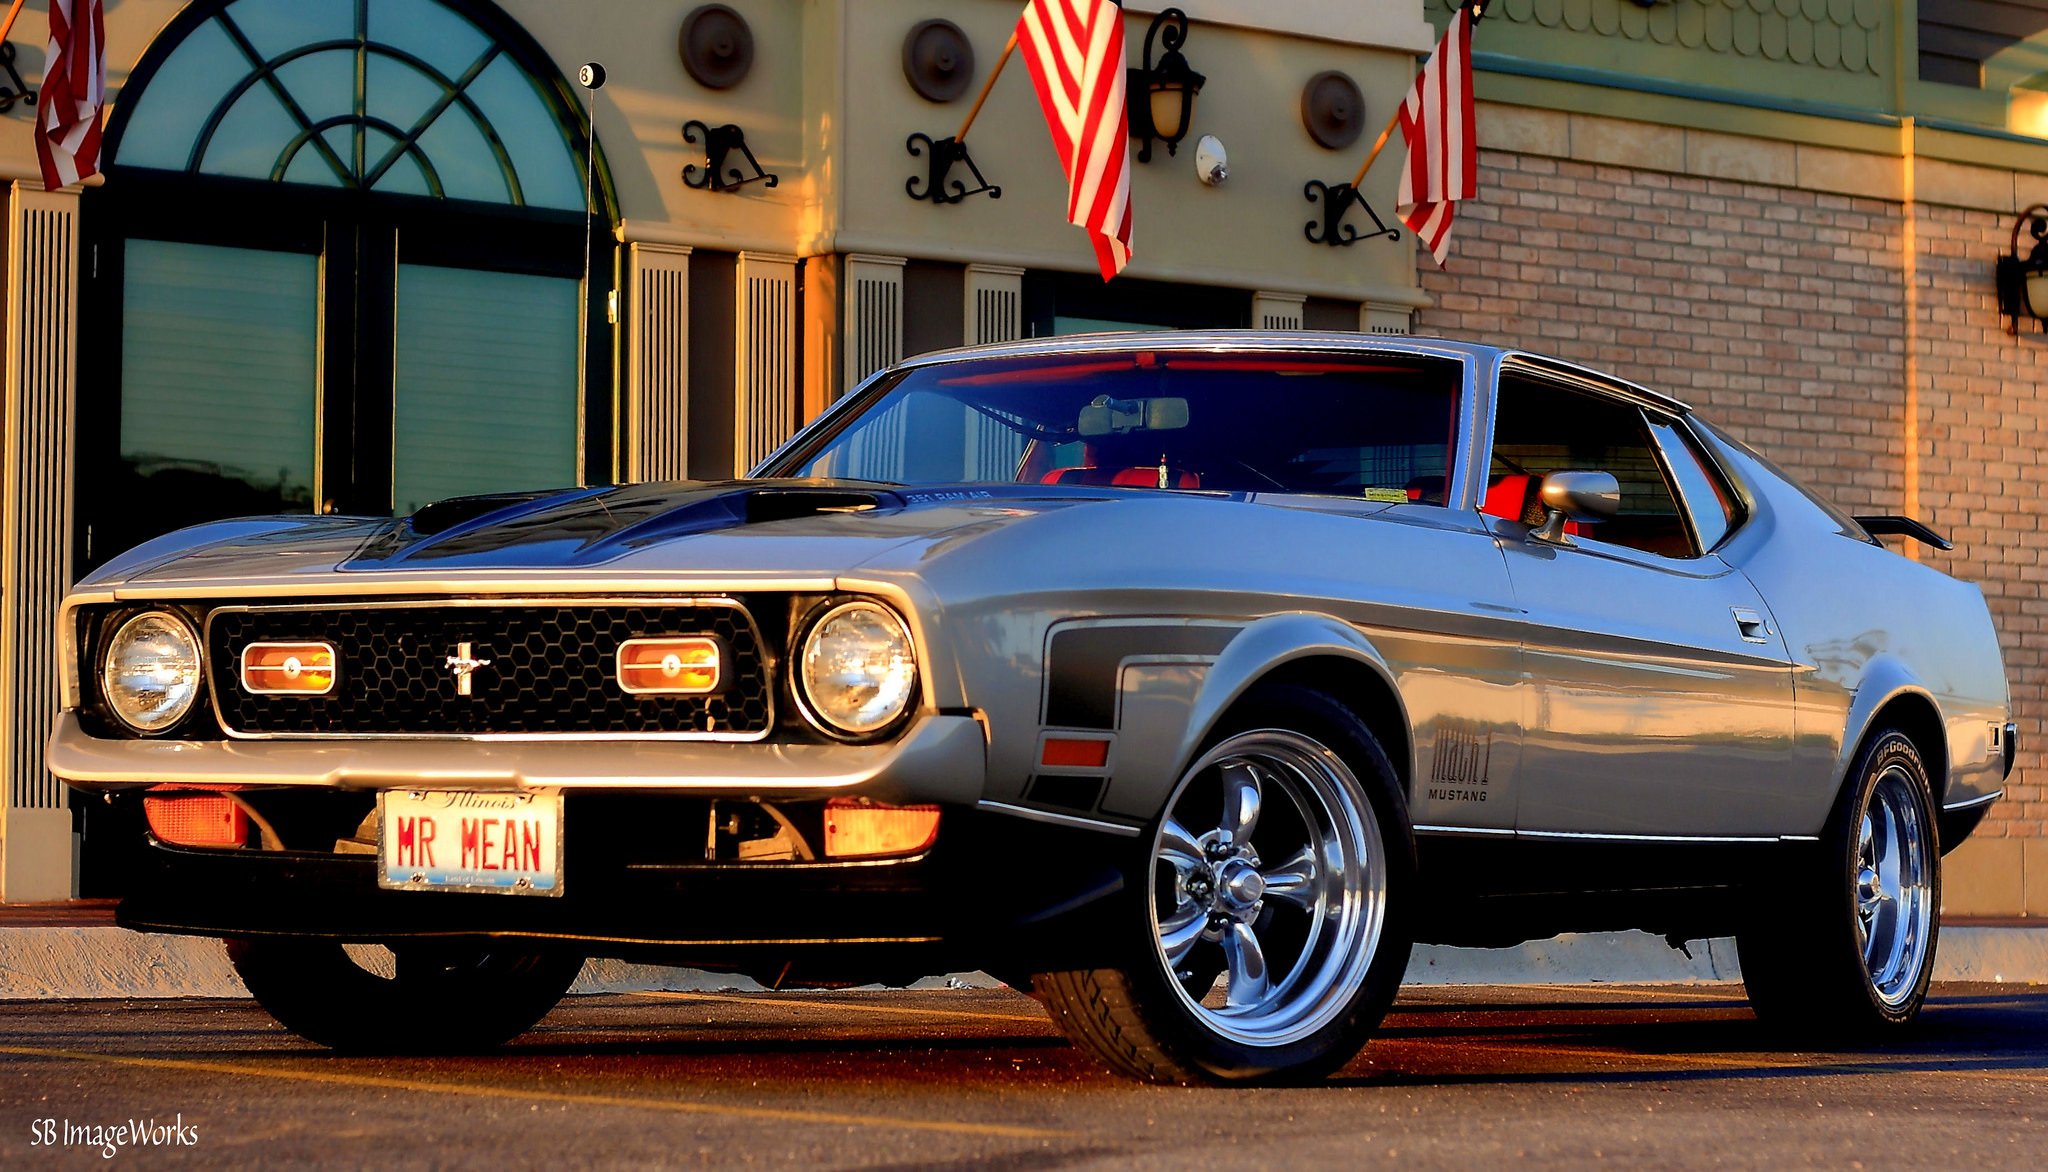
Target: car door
pixel 1659 691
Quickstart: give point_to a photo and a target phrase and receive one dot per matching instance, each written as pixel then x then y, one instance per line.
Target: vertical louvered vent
pixel 995 313
pixel 1277 311
pixel 874 315
pixel 658 366
pixel 874 341
pixel 995 304
pixel 1379 318
pixel 765 412
pixel 42 279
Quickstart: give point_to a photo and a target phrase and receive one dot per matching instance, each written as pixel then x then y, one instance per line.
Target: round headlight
pixel 857 669
pixel 151 673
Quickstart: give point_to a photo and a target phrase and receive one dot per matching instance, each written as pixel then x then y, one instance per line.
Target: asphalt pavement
pixel 1459 1077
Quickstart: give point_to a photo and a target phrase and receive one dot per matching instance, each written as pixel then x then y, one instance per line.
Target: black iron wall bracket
pixel 1337 199
pixel 941 154
pixel 13 89
pixel 721 171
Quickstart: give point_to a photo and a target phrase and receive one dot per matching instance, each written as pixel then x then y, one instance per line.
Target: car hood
pixel 737 529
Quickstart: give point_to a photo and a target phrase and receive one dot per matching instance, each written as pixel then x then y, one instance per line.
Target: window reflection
pixel 219 386
pixel 487 384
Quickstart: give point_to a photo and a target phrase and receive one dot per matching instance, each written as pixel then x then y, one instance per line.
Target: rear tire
pixel 438 998
pixel 1269 940
pixel 1848 954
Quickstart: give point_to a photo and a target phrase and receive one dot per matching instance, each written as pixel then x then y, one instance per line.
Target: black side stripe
pixel 1081 672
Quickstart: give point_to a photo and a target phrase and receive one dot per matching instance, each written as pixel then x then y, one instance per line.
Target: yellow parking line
pixel 794 1003
pixel 1730 993
pixel 1712 1060
pixel 337 1078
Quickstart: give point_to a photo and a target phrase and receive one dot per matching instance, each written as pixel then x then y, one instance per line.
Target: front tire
pixel 1271 937
pixel 431 999
pixel 1850 953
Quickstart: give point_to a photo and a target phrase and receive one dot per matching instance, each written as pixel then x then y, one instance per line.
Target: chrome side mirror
pixel 1584 497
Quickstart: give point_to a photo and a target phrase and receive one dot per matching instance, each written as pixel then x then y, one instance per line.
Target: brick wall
pixel 1984 412
pixel 1776 311
pixel 1781 313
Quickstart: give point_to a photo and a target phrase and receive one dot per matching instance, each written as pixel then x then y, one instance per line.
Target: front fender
pixel 1264 647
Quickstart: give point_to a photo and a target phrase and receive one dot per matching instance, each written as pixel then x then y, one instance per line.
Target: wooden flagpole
pixel 1379 145
pixel 13 11
pixel 985 86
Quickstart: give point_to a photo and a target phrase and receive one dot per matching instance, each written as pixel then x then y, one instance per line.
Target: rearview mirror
pixel 1584 497
pixel 1107 416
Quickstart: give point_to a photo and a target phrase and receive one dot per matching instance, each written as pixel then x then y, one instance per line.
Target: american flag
pixel 74 90
pixel 1075 52
pixel 1443 150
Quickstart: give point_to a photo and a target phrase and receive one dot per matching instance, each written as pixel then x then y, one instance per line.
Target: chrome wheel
pixel 1268 888
pixel 1894 886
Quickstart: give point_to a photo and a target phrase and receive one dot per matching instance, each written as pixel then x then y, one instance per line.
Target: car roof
pixel 1284 340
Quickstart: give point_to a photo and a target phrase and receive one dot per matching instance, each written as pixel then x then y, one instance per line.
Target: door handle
pixel 1751 625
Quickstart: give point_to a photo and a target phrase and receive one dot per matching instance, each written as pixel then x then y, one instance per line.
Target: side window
pixel 1707 500
pixel 1540 428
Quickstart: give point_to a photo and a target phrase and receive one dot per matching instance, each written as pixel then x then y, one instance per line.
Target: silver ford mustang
pixel 1182 680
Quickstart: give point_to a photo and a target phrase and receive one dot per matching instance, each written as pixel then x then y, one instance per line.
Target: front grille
pixel 551 670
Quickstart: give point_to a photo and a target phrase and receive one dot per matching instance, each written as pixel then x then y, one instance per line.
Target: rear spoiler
pixel 1895 526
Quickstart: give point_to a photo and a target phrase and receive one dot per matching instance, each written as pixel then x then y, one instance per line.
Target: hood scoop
pixel 779 504
pixel 441 516
pixel 591 526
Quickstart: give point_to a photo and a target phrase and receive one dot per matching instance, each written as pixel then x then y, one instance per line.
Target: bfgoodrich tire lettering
pixel 439 999
pixel 1267 937
pixel 1850 951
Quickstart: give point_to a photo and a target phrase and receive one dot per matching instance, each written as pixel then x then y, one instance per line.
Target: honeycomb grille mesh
pixel 551 671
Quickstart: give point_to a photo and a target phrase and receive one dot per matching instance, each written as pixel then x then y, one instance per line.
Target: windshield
pixel 1378 427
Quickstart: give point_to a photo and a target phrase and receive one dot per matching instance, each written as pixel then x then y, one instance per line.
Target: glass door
pixel 219 410
pixel 484 389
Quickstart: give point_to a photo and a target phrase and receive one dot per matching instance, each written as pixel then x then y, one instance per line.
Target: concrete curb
pixel 82 963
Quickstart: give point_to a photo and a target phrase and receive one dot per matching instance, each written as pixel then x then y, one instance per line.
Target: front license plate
pixel 505 843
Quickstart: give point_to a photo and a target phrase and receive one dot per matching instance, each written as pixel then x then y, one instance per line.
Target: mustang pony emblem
pixel 464 664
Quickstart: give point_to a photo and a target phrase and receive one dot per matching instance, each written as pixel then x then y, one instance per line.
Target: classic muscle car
pixel 1184 681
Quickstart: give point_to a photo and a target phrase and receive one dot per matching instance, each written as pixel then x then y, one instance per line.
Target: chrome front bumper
pixel 939 759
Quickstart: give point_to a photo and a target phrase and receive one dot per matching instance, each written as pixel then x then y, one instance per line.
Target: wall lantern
pixel 2023 281
pixel 1160 98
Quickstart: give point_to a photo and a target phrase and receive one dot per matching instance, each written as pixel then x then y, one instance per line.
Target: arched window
pixel 338 264
pixel 408 97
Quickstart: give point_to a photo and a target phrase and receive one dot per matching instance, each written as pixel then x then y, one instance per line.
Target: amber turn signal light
pixel 197 820
pixel 288 669
pixel 855 828
pixel 669 666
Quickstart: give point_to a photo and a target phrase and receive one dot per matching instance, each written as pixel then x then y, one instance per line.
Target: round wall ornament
pixel 1333 109
pixel 717 46
pixel 938 60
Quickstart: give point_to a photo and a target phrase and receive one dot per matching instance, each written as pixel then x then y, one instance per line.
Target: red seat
pixel 1508 498
pixel 1143 476
pixel 1148 477
pixel 1516 498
